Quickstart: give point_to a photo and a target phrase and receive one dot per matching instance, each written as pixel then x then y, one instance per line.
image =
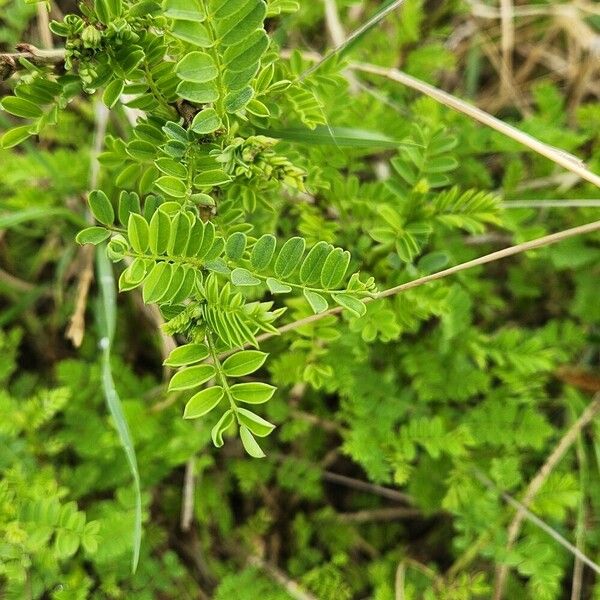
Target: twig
pixel 14 282
pixel 546 240
pixel 43 24
pixel 579 203
pixel 187 502
pixel 577 582
pixel 379 514
pixel 536 484
pixel 76 328
pixel 10 61
pixel 560 157
pixel 489 12
pixel 366 486
pixel 508 42
pixel 290 586
pixel 533 518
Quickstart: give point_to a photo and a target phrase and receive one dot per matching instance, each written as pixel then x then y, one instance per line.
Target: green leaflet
pixel 254 392
pixel 316 301
pixel 244 363
pixel 206 121
pixel 235 246
pixel 101 207
pixel 243 277
pixel 263 252
pixel 334 269
pixel 257 425
pixel 184 10
pixel 157 282
pixel 354 305
pixel 277 287
pixel 203 402
pixel 171 186
pixel 191 377
pixel 133 275
pixel 179 234
pixel 224 423
pixel 159 232
pixel 193 33
pixel 250 444
pixel 239 25
pixel 187 355
pixel 247 53
pixel 138 232
pixel 312 266
pixel 197 67
pixel 21 107
pixel 15 136
pixel 289 256
pixel 92 235
pixel 113 92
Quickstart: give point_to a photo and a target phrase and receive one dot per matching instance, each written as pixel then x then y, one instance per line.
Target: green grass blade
pixel 107 318
pixel 335 136
pixel 354 37
pixel 8 220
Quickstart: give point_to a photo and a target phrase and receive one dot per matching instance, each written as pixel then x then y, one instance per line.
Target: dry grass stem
pixel 568 439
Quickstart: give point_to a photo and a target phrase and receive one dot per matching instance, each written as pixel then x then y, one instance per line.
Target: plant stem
pixel 220 373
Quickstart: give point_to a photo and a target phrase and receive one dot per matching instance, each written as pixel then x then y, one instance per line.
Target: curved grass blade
pixel 107 318
pixel 353 38
pixel 339 136
pixel 36 214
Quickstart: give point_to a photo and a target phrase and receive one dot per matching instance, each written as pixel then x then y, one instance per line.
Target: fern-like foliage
pixel 199 279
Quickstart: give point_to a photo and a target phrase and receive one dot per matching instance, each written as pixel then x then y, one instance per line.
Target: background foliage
pixel 385 415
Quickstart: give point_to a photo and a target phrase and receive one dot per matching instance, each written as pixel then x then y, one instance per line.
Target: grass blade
pixel 8 220
pixel 336 136
pixel 354 37
pixel 107 323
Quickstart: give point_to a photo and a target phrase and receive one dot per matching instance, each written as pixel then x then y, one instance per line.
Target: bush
pixel 280 225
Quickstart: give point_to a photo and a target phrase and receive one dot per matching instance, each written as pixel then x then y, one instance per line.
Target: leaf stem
pixel 220 373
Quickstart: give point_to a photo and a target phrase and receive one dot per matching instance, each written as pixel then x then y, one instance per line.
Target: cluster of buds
pixel 89 44
pixel 255 157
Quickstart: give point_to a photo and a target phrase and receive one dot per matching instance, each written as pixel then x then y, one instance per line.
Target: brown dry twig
pixel 568 439
pixel 487 258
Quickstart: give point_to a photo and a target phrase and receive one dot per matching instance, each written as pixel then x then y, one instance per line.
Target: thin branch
pixel 290 586
pixel 533 518
pixel 580 529
pixel 365 486
pixel 76 328
pixel 10 61
pixel 568 439
pixel 484 11
pixel 187 501
pixel 14 282
pixel 508 42
pixel 43 23
pixel 578 203
pixel 546 240
pixel 560 157
pixel 379 514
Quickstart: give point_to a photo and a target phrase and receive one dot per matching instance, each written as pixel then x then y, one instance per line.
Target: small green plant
pixel 240 190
